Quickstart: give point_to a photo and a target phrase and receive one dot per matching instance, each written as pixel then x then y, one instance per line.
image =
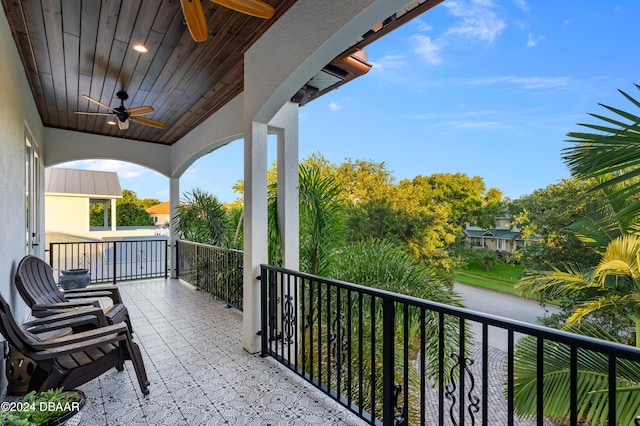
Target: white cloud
pixel 519 83
pixel 478 20
pixel 525 82
pixel 533 41
pixel 334 106
pixel 430 116
pixel 566 22
pixel 125 170
pixel 479 113
pixel 522 4
pixel 426 49
pixel 476 124
pixel 423 26
pixel 390 62
pixel 190 174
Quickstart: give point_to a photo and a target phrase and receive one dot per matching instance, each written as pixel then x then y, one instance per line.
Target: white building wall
pixel 17 111
pixel 67 214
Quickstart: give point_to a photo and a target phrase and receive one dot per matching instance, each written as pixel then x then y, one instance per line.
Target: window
pixel 32 193
pixel 477 242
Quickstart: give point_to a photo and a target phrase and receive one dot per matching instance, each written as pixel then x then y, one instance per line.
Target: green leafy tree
pixel 130 210
pixel 202 218
pixel 377 219
pixel 493 207
pixel 96 214
pixel 548 213
pixel 612 155
pixel 363 181
pixel 436 207
pixel 373 262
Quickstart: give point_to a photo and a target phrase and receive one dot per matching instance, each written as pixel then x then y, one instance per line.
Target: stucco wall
pixel 17 110
pixel 66 214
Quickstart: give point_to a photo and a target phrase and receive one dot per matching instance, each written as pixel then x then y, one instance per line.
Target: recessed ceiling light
pixel 140 48
pixel 111 122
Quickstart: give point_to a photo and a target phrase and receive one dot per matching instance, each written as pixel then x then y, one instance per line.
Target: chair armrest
pixel 64 305
pixel 101 290
pixel 84 315
pixel 71 348
pixel 117 330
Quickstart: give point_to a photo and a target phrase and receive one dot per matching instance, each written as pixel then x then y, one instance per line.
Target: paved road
pixel 504 305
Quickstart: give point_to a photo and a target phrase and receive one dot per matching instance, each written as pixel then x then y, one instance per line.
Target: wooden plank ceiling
pixel 71 48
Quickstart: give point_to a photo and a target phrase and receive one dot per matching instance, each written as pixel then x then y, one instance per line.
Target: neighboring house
pixel 161 214
pixel 504 237
pixel 69 195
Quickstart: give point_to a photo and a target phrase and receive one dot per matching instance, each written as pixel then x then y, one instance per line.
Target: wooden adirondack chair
pixel 75 359
pixel 35 283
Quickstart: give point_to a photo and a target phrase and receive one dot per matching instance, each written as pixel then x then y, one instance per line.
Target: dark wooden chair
pixel 35 283
pixel 75 359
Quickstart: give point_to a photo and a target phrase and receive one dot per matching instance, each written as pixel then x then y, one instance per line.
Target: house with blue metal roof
pixel 504 237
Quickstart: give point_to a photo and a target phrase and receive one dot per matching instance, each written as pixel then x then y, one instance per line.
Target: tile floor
pixel 199 373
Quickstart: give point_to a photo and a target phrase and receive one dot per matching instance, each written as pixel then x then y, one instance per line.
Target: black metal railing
pixel 397 360
pixel 111 261
pixel 214 269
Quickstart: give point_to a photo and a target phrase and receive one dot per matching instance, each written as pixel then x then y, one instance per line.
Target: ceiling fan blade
pixel 141 110
pixel 196 21
pixel 149 122
pixel 92 113
pixel 98 103
pixel 256 8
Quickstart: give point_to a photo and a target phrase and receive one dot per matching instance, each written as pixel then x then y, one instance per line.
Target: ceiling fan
pixel 197 23
pixel 123 114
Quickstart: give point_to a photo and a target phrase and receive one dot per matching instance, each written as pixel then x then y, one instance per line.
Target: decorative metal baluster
pixel 474 401
pixel 450 389
pixel 289 319
pixel 338 328
pixel 141 260
pixel 274 300
pixel 401 417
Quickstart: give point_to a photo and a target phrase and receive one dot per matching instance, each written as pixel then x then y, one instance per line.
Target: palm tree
pixel 202 218
pixel 593 376
pixel 612 155
pixel 612 284
pixel 321 220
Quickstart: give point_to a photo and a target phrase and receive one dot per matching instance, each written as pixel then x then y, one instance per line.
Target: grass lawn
pixel 502 277
pixel 501 271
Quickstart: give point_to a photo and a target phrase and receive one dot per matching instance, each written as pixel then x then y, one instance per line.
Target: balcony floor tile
pixel 199 373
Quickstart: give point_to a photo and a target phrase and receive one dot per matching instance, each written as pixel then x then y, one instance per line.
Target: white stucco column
pixel 255 229
pixel 286 122
pixel 288 199
pixel 174 199
pixel 105 213
pixel 114 216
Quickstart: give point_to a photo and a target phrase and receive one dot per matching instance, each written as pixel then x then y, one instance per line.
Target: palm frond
pixel 610 151
pixel 590 306
pixel 555 282
pixel 592 383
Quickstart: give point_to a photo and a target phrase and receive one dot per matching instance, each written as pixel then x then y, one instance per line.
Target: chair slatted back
pixel 15 334
pixel 35 282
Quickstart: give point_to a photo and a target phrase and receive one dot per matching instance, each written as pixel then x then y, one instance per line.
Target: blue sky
pixel 482 87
